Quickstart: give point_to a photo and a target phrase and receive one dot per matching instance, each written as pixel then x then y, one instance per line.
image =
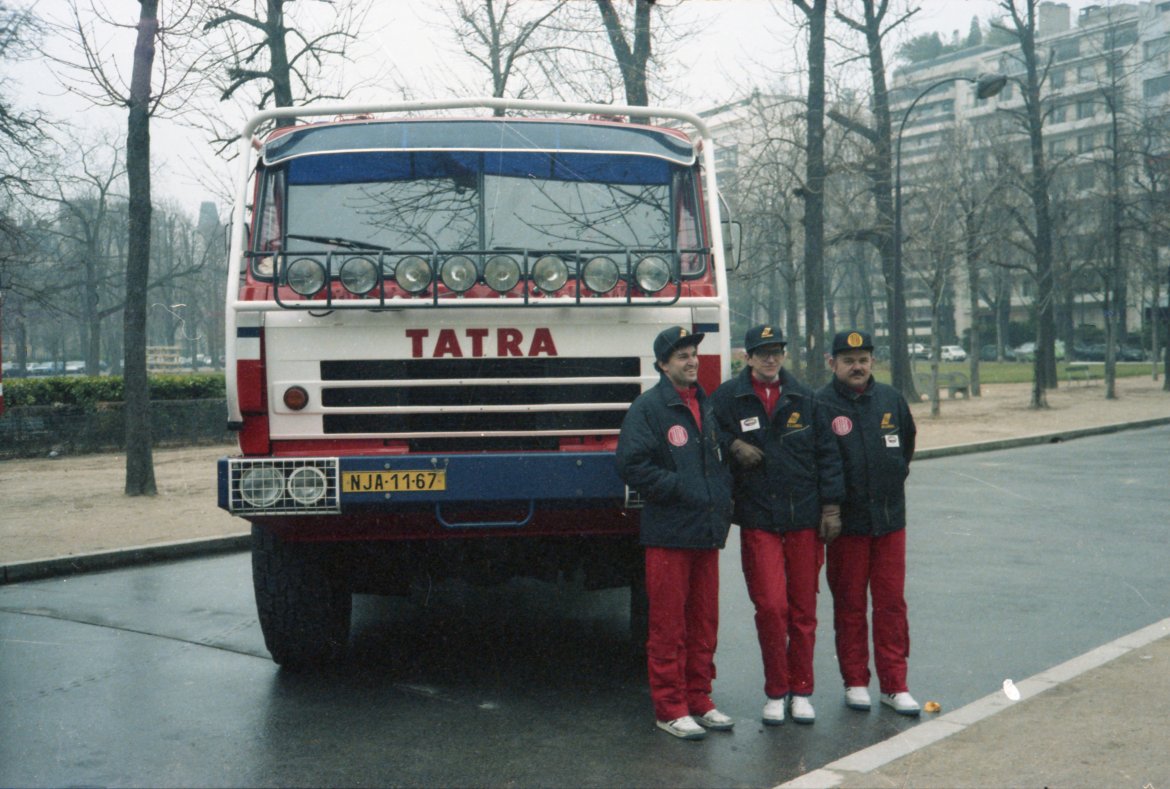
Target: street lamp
pixel 986 86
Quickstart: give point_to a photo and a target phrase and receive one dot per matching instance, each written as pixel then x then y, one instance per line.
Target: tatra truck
pixel 436 319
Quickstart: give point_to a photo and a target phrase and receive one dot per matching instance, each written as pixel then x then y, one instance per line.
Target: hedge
pixel 89 390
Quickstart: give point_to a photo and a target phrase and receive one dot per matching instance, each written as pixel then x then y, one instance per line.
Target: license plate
pixel 405 481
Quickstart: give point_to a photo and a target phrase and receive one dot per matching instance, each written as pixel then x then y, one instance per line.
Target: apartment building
pixel 1105 53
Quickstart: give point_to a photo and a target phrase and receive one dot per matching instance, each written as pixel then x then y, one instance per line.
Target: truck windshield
pixel 462 201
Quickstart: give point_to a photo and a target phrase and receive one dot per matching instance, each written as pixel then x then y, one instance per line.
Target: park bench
pixel 1080 371
pixel 955 383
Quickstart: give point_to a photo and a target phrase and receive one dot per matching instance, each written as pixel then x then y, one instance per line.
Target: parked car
pixel 953 353
pixel 1129 353
pixel 1027 351
pixel 1089 353
pixel 917 350
pixel 989 353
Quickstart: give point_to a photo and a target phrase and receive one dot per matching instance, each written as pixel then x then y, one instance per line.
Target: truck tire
pixel 303 603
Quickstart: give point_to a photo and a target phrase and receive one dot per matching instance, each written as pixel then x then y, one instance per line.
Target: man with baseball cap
pixel 875 434
pixel 787 489
pixel 668 452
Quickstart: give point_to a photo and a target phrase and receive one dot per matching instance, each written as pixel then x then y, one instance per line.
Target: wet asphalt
pixel 1018 560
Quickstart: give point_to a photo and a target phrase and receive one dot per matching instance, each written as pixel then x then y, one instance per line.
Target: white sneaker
pixel 802 710
pixel 857 698
pixel 774 712
pixel 684 728
pixel 714 719
pixel 901 703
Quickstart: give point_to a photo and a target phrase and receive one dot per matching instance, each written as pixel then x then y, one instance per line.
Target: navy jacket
pixel 677 471
pixel 801 468
pixel 875 434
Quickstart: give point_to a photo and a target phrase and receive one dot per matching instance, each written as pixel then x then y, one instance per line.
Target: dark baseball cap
pixel 852 340
pixel 675 337
pixel 763 335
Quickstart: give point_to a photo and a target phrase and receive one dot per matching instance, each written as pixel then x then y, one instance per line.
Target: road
pixel 1019 560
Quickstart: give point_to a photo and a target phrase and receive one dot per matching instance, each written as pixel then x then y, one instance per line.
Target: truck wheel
pixel 303 604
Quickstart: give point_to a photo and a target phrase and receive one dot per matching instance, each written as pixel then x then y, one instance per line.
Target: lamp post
pixel 986 86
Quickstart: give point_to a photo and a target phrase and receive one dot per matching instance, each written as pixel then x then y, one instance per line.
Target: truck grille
pixel 515 403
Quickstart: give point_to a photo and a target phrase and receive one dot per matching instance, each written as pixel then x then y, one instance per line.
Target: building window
pixel 1085 73
pixel 1085 178
pixel 1115 38
pixel 727 158
pixel 1084 110
pixel 1084 143
pixel 1157 46
pixel 1059 114
pixel 1066 50
pixel 1156 86
pixel 1056 77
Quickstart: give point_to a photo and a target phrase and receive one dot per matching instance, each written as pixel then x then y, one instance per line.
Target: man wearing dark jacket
pixel 787 485
pixel 668 452
pixel 875 433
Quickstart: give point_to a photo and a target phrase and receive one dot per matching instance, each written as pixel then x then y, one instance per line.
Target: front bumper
pixel 350 484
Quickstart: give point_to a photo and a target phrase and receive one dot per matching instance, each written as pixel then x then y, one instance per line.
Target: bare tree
pixel 873 26
pixel 813 193
pixel 139 461
pixel 507 42
pixel 633 53
pixel 250 52
pixel 87 71
pixel 83 189
pixel 1022 15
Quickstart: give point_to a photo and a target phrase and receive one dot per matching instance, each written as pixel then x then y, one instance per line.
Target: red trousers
pixel 877 565
pixel 781 572
pixel 683 589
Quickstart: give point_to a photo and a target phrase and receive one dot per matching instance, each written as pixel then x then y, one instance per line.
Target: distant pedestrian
pixel 787 485
pixel 875 433
pixel 668 452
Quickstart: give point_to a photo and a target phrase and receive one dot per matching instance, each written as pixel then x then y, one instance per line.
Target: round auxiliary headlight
pixel 262 267
pixel 550 273
pixel 501 273
pixel 458 273
pixel 601 275
pixel 307 485
pixel 261 486
pixel 305 276
pixel 359 275
pixel 413 274
pixel 652 273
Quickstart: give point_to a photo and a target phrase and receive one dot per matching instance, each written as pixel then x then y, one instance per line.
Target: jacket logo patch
pixel 794 420
pixel 886 424
pixel 677 436
pixel 842 425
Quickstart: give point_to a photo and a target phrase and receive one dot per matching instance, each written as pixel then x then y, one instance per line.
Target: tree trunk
pixel 139 461
pixel 631 60
pixel 815 372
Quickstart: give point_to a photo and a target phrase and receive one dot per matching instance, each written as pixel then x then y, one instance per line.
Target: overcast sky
pixel 738 44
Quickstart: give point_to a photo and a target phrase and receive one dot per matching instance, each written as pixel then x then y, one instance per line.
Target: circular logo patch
pixel 854 340
pixel 842 425
pixel 677 436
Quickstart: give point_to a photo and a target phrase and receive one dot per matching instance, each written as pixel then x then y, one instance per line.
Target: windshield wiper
pixel 337 242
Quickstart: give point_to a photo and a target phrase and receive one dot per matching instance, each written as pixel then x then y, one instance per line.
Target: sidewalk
pixel 1099 720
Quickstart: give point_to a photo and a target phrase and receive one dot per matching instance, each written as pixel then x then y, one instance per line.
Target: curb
pixel 122 557
pixel 187 549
